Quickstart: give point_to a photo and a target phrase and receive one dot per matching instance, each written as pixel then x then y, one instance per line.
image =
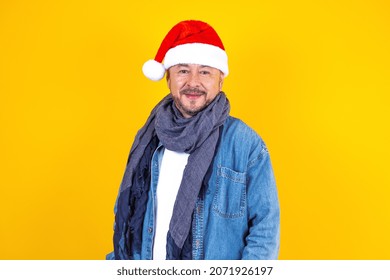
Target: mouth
pixel 193 96
pixel 193 93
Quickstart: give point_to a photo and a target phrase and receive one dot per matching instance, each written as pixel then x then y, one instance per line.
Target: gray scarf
pixel 197 136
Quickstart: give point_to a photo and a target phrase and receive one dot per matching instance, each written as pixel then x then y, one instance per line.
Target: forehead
pixel 194 66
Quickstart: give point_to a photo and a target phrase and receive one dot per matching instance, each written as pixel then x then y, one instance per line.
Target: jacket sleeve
pixel 263 209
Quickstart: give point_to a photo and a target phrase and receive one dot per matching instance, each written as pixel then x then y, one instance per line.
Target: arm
pixel 263 209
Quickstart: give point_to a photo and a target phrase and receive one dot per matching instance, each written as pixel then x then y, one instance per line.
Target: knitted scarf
pixel 197 136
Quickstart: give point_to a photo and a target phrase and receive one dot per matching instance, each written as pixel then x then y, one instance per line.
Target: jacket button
pixel 150 230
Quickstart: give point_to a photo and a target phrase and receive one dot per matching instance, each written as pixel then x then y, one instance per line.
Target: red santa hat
pixel 188 42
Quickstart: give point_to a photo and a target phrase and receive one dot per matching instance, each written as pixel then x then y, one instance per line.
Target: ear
pixel 167 75
pixel 221 79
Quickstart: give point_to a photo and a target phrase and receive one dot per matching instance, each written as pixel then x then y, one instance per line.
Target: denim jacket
pixel 236 215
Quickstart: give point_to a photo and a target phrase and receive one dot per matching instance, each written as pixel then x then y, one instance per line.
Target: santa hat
pixel 188 42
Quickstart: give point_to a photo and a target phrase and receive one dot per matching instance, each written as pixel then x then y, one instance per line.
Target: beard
pixel 188 109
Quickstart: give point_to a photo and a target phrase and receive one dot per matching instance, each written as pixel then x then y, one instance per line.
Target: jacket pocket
pixel 230 196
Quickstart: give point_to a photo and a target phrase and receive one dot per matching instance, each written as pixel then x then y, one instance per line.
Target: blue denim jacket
pixel 236 215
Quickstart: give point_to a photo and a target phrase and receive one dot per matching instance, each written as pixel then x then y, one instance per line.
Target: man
pixel 198 183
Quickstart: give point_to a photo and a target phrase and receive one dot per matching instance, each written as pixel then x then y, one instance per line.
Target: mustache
pixel 192 90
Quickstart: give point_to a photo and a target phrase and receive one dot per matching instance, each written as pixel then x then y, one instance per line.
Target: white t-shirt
pixel 170 176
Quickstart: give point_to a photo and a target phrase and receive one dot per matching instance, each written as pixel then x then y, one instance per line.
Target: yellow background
pixel 311 77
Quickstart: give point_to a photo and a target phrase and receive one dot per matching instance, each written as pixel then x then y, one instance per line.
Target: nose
pixel 193 80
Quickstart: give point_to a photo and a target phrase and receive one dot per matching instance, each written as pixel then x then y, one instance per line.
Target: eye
pixel 183 71
pixel 204 72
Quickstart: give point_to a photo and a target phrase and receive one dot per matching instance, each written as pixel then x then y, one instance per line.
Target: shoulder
pixel 235 124
pixel 238 136
pixel 237 130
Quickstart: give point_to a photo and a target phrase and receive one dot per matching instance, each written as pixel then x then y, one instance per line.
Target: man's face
pixel 193 87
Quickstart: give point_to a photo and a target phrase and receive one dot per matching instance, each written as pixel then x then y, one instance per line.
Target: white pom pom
pixel 153 70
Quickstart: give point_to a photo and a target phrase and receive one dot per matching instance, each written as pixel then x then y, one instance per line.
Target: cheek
pixel 176 84
pixel 215 86
pixel 174 88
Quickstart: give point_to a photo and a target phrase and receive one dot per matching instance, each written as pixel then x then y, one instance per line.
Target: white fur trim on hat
pixel 153 70
pixel 197 53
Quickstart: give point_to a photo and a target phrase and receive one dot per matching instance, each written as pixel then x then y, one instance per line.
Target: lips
pixel 193 95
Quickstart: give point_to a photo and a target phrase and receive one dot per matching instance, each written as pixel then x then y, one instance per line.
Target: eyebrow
pixel 187 65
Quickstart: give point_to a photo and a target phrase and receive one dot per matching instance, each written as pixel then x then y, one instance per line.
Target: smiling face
pixel 193 87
